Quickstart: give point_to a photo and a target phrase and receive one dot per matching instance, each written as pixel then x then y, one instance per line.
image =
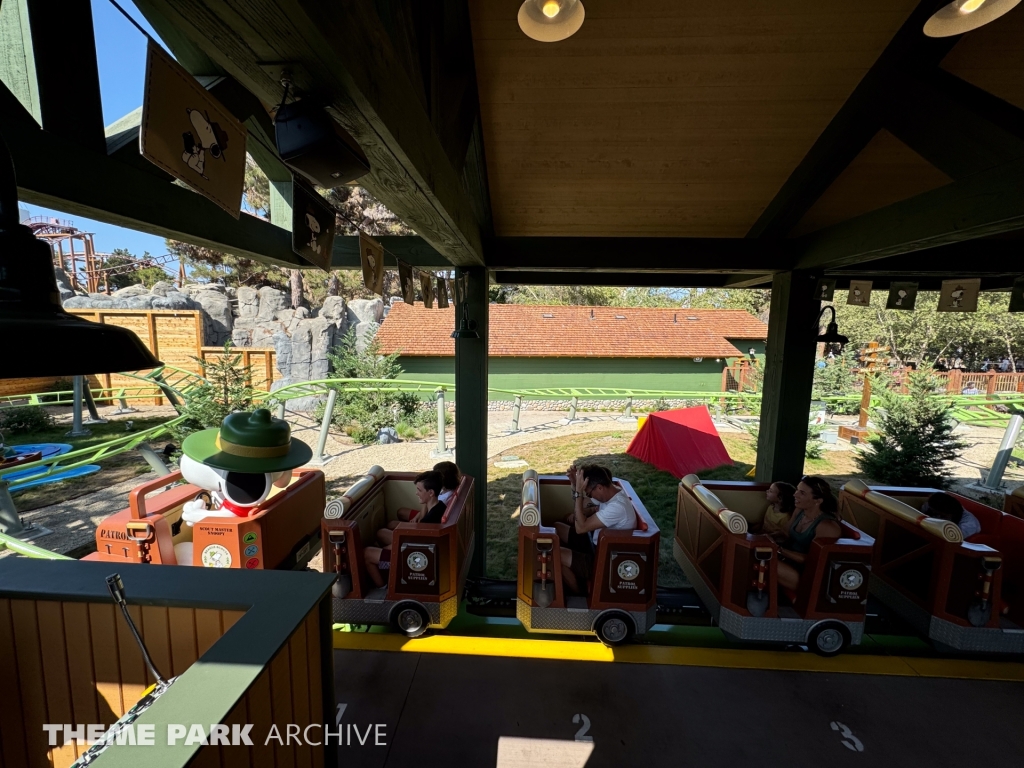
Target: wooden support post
pixel 990 386
pixel 865 401
pixel 788 376
pixel 471 408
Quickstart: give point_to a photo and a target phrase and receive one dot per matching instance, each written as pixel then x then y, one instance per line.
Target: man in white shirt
pixel 612 510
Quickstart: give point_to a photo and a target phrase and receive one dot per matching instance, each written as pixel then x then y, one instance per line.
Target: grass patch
pixel 656 489
pixel 116 469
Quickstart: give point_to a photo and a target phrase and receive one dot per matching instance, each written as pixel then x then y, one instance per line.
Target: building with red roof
pixel 537 347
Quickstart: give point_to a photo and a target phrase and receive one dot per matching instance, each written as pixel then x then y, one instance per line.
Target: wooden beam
pixel 969 258
pixel 615 279
pixel 788 376
pixel 659 254
pixel 340 52
pixel 410 249
pixel 18 64
pixel 66 71
pixel 957 127
pixel 986 203
pixel 748 281
pixel 853 126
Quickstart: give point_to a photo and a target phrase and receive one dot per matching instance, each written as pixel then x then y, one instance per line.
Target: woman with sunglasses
pixel 815 518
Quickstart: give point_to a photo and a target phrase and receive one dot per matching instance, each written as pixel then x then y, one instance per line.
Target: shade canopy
pixel 682 442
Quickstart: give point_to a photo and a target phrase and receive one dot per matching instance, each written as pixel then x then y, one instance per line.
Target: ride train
pixel 964 596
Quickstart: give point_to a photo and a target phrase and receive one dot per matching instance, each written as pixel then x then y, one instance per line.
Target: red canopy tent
pixel 682 442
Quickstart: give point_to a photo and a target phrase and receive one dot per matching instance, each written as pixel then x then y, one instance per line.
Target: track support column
pixel 471 405
pixel 788 376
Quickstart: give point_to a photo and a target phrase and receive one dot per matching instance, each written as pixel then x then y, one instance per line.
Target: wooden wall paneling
pixel 134 675
pixel 56 676
pixel 992 58
pixel 208 629
pixel 281 704
pixel 84 704
pixel 30 677
pixel 158 637
pixel 237 756
pixel 182 622
pixel 13 752
pixel 207 757
pixel 315 669
pixel 261 715
pixel 106 658
pixel 228 619
pixel 300 690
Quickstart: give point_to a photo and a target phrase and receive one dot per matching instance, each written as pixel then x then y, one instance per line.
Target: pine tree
pixel 914 439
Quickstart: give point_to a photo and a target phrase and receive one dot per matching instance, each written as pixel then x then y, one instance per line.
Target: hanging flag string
pixel 133 22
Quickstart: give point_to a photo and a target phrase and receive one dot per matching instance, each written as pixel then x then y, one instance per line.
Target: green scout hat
pixel 253 443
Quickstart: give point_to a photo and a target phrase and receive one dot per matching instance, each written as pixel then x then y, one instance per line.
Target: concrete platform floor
pixel 451 710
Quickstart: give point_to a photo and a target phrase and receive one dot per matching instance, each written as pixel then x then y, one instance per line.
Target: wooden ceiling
pixel 992 58
pixel 671 118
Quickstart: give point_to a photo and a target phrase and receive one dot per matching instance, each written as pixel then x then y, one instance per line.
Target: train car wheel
pixel 829 638
pixel 342 585
pixel 410 619
pixel 615 629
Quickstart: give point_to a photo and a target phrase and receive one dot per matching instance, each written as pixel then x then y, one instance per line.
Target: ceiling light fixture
pixel 551 20
pixel 964 15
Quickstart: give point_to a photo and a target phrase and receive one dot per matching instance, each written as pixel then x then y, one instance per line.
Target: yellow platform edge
pixel 728 658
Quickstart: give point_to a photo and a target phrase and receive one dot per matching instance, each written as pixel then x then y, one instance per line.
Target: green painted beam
pixel 471 407
pixel 986 203
pixel 788 376
pixel 617 279
pixel 17 60
pixel 342 53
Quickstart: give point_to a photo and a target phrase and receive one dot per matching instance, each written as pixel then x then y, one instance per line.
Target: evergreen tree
pixel 914 438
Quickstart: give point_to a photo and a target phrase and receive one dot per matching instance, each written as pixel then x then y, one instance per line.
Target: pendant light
pixel 551 20
pixel 833 340
pixel 964 15
pixel 467 327
pixel 39 337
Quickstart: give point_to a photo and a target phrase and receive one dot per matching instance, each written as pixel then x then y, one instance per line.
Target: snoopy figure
pixel 957 297
pixel 314 230
pixel 237 468
pixel 902 295
pixel 204 137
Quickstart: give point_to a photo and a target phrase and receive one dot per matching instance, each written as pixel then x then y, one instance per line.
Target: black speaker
pixel 316 147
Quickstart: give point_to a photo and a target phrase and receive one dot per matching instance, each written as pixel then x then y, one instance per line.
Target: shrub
pixel 23 421
pixel 362 415
pixel 914 439
pixel 226 390
pixel 59 385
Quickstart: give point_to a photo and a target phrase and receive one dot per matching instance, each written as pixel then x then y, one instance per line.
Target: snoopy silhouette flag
pixel 959 295
pixel 188 133
pixel 313 221
pixel 902 296
pixel 371 257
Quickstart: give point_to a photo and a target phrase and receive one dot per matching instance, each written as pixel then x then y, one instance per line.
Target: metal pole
pixel 572 408
pixel 629 408
pixel 153 459
pixel 94 415
pixel 280 409
pixel 10 521
pixel 995 475
pixel 77 430
pixel 325 426
pixel 441 447
pixel 516 407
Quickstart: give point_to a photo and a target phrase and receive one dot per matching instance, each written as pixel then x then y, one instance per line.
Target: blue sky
pixel 121 54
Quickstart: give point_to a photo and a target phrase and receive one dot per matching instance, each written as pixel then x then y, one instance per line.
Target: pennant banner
pixel 442 293
pixel 188 133
pixel 427 289
pixel 405 278
pixel 959 295
pixel 457 288
pixel 902 296
pixel 313 222
pixel 1017 295
pixel 860 293
pixel 371 255
pixel 826 289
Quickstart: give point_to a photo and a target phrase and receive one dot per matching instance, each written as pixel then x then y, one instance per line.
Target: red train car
pixel 621 597
pixel 963 595
pixel 734 572
pixel 429 563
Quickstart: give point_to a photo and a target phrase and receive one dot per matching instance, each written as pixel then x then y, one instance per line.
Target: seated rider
pixel 450 479
pixel 946 507
pixel 815 517
pixel 780 510
pixel 428 486
pixel 612 509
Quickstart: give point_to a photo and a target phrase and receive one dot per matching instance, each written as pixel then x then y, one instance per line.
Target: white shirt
pixel 443 496
pixel 969 525
pixel 616 513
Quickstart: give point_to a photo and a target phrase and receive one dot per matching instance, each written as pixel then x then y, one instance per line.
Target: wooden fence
pixel 175 337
